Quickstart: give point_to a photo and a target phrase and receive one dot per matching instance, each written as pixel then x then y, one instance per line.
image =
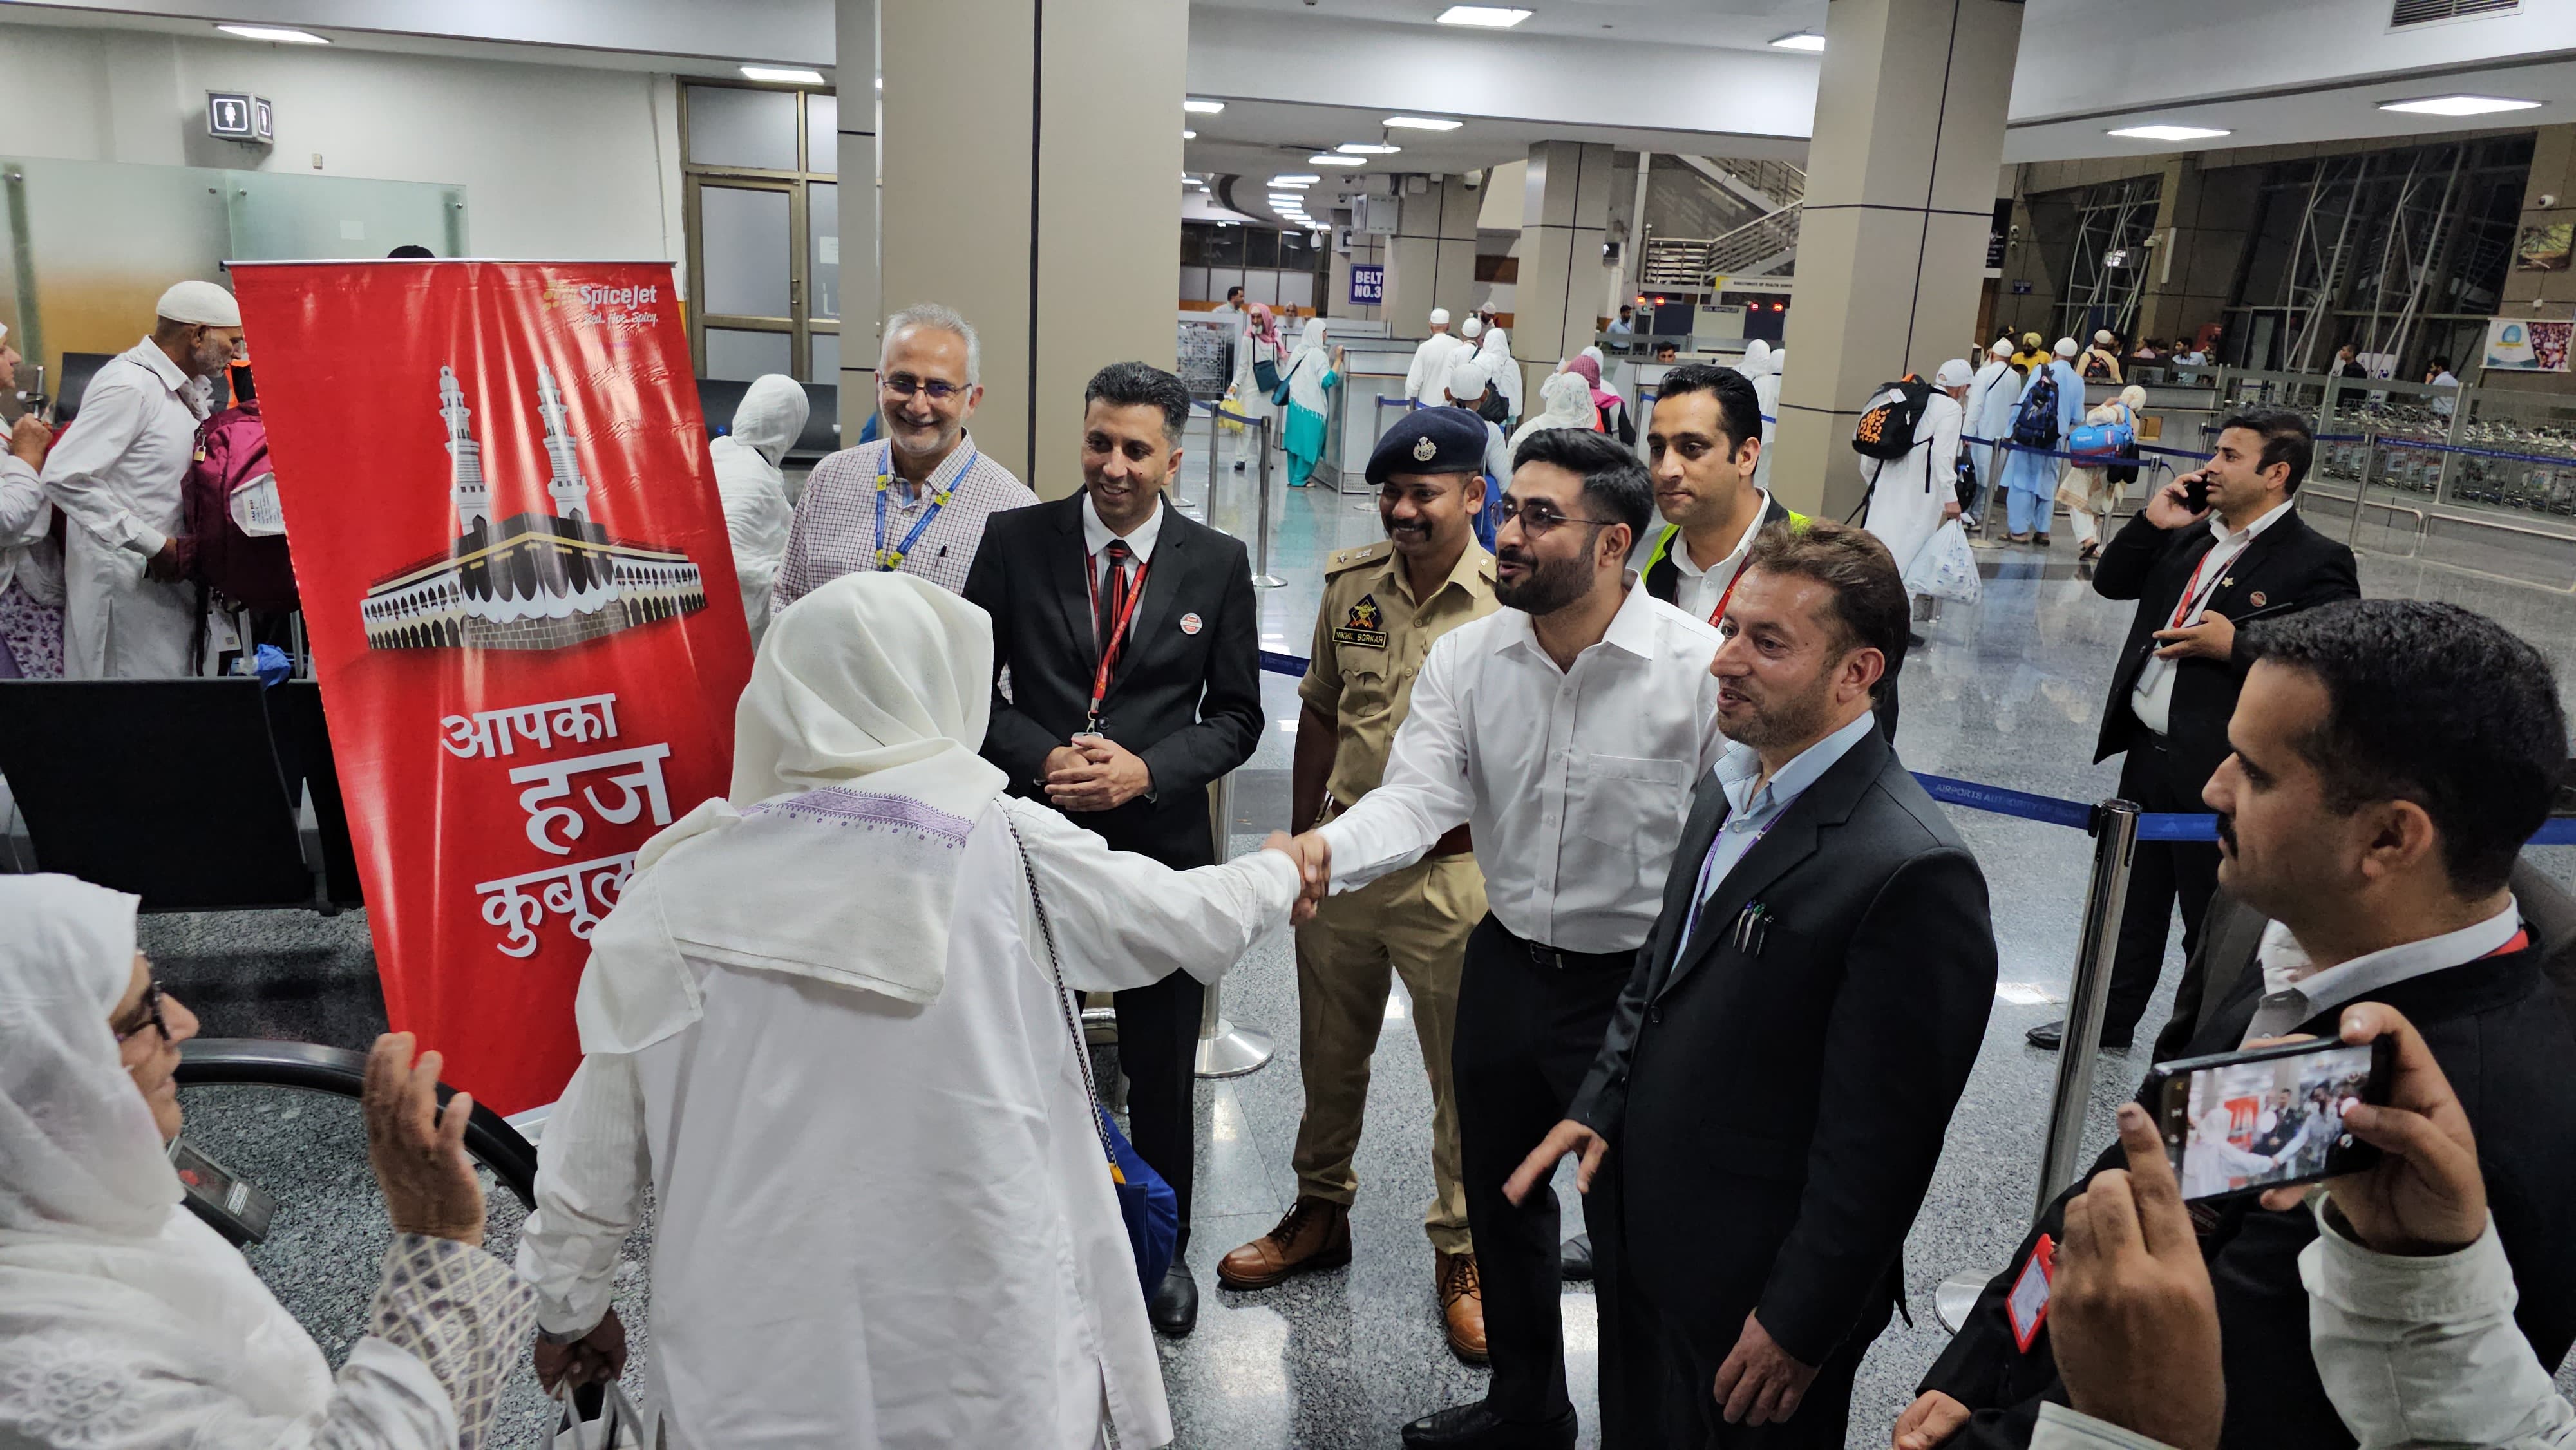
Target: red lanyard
pixel 2184 606
pixel 1111 648
pixel 1719 612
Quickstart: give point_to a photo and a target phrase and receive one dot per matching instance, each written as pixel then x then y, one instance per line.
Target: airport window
pixel 762 212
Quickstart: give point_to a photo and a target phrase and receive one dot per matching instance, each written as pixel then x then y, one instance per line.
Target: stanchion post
pixel 2115 844
pixel 1262 578
pixel 1226 1050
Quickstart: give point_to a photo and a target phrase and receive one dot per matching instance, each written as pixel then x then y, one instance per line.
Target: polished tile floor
pixel 2006 691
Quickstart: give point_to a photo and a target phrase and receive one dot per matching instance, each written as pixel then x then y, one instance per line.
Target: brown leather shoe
pixel 1462 1304
pixel 1316 1234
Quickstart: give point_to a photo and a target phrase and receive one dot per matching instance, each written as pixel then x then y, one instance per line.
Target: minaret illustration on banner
pixel 532 581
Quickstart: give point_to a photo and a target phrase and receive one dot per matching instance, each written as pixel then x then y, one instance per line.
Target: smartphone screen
pixel 2248 1121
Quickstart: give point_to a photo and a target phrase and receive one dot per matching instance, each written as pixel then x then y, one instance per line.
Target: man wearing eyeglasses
pixel 915 499
pixel 1565 730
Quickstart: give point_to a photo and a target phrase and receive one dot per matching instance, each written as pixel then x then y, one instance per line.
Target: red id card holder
pixel 2026 1307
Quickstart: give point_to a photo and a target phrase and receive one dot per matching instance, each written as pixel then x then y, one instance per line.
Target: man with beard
pixel 1132 645
pixel 1773 1090
pixel 1565 729
pixel 1384 607
pixel 117 478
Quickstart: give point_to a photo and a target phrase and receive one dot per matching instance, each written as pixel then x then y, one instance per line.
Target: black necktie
pixel 1113 599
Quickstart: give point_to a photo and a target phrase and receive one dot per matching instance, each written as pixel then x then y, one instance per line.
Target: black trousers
pixel 1527 1032
pixel 2161 872
pixel 1158 1045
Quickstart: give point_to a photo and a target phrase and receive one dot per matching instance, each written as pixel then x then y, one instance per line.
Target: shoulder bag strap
pixel 1064 1000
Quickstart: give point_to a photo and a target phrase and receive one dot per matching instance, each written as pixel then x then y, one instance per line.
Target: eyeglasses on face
pixel 904 385
pixel 1538 517
pixel 146 1013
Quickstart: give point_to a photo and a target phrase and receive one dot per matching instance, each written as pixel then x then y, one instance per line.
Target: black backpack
pixel 2035 417
pixel 1886 430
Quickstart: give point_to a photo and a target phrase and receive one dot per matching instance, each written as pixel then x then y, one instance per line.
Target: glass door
pixel 763 221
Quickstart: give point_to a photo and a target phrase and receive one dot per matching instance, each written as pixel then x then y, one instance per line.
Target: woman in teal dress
pixel 1312 375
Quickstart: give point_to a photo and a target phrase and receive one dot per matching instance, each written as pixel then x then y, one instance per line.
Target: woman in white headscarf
pixel 31 564
pixel 1567 403
pixel 1495 347
pixel 2089 493
pixel 754 492
pixel 1762 367
pixel 125 1322
pixel 1314 370
pixel 824 1024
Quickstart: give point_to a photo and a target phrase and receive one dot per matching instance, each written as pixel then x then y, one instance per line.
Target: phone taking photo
pixel 2242 1122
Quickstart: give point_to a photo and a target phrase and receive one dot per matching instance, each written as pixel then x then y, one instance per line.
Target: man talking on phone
pixel 2390 759
pixel 2210 550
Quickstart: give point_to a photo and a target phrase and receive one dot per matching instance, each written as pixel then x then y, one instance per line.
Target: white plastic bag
pixel 1945 567
pixel 620 1426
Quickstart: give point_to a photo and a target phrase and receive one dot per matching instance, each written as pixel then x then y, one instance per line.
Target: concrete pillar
pixel 1044 209
pixel 1366 251
pixel 1565 216
pixel 862 305
pixel 1909 132
pixel 1431 259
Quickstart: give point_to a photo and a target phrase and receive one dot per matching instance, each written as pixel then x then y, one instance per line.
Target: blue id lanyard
pixel 893 558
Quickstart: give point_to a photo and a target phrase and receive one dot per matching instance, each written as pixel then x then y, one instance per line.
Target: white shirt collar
pixel 154 360
pixel 2286 966
pixel 1631 629
pixel 2246 535
pixel 1096 535
pixel 1741 766
pixel 1744 545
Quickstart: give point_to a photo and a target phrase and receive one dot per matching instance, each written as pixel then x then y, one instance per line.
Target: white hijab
pixel 855 784
pixel 1568 400
pixel 767 420
pixel 138 1326
pixel 1308 365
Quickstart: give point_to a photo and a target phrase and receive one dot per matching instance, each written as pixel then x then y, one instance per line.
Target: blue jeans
pixel 2024 511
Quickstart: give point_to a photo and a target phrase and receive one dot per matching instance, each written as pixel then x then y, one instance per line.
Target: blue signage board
pixel 1368 285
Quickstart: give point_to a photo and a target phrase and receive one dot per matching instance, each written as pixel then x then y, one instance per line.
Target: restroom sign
pixel 1368 285
pixel 233 116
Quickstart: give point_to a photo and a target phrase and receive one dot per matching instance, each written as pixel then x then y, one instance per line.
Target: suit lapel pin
pixel 1190 623
pixel 2255 599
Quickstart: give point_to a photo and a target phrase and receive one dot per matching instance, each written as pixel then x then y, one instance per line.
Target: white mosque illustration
pixel 532 581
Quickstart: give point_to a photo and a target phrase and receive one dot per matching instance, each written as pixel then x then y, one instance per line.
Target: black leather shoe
pixel 2049 1036
pixel 1473 1427
pixel 1574 1260
pixel 1174 1307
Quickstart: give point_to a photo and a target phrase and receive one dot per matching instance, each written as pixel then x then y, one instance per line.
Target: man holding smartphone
pixel 2209 549
pixel 2390 759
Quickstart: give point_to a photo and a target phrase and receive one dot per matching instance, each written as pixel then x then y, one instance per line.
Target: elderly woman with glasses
pixel 126 1323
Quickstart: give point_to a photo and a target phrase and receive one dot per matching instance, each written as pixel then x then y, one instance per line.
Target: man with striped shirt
pixel 916 499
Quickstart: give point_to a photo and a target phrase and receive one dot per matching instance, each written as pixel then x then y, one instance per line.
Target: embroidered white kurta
pixel 118 473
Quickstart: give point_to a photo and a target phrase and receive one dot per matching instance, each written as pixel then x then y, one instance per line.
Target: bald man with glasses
pixel 916 499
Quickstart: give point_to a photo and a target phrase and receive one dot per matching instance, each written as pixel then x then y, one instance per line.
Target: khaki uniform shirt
pixel 1370 637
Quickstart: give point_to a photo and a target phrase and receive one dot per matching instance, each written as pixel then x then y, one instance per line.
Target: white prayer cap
pixel 199 302
pixel 1440 317
pixel 2000 347
pixel 2066 347
pixel 2104 337
pixel 1469 377
pixel 1471 327
pixel 1954 374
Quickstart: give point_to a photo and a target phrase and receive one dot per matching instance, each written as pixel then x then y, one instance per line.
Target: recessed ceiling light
pixel 1492 17
pixel 1294 180
pixel 1367 148
pixel 2458 105
pixel 1327 158
pixel 1422 123
pixel 1802 40
pixel 275 33
pixel 1203 108
pixel 783 75
pixel 2169 133
pixel 1189 135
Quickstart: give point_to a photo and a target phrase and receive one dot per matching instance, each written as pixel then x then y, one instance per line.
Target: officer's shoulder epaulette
pixel 1345 559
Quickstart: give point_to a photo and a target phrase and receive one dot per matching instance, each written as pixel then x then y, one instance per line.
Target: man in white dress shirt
pixel 1429 373
pixel 1565 729
pixel 117 475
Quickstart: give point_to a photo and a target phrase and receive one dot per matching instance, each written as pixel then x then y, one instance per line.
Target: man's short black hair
pixel 2441 364
pixel 1739 409
pixel 2286 439
pixel 1870 604
pixel 1614 482
pixel 2433 704
pixel 1232 293
pixel 1126 384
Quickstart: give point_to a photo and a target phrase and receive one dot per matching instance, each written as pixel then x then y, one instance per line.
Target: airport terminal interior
pixel 2356 210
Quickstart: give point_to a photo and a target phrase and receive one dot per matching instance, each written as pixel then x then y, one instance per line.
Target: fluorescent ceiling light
pixel 2458 105
pixel 1203 108
pixel 783 75
pixel 1367 148
pixel 1803 40
pixel 2169 133
pixel 1492 17
pixel 1422 123
pixel 1188 135
pixel 1294 180
pixel 1327 158
pixel 275 33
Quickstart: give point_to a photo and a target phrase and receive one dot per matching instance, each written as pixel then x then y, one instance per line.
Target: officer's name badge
pixel 1364 627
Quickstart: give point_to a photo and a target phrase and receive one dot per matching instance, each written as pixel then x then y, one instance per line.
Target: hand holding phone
pixel 2242 1122
pixel 2425 1195
pixel 2181 502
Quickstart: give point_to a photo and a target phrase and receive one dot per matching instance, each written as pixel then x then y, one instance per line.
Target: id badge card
pixel 2026 1307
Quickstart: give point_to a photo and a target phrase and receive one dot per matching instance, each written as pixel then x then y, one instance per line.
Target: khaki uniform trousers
pixel 1415 922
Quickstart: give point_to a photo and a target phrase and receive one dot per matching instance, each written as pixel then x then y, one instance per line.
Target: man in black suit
pixel 2391 757
pixel 1134 652
pixel 1766 1109
pixel 2195 570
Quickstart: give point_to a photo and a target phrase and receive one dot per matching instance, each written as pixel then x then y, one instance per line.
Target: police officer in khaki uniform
pixel 1383 606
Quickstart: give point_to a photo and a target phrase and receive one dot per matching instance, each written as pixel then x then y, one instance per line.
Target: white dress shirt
pixel 1097 534
pixel 1575 781
pixel 1698 590
pixel 2152 698
pixel 2294 990
pixel 119 473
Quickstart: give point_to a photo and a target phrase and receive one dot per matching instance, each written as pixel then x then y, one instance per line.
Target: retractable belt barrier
pixel 2419 445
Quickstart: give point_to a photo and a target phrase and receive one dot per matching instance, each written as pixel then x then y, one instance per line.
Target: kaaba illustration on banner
pixel 533 581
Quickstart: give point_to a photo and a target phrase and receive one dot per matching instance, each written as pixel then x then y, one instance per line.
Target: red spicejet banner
pixel 522 612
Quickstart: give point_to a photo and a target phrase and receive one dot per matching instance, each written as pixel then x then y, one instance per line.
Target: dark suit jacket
pixel 1774 1118
pixel 2288 563
pixel 2502 1038
pixel 1188 701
